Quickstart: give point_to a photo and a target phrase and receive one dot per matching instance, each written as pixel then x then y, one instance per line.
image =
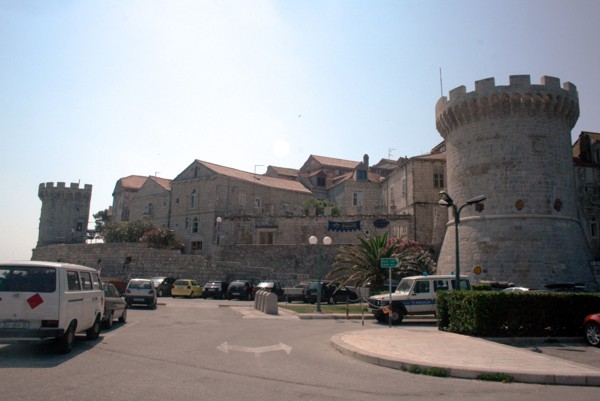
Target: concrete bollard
pixel 270 304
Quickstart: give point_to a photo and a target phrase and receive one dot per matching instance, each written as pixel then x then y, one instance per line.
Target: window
pixel 440 285
pixel 195 225
pixel 361 175
pixel 594 228
pixel 404 187
pixel 265 237
pixel 79 226
pixel 73 281
pixel 86 279
pixel 187 223
pixel 27 279
pixel 150 209
pixel 320 181
pixel 438 177
pixel 257 202
pixel 194 200
pixel 422 287
pixel 242 199
pixel 357 199
pixel 196 246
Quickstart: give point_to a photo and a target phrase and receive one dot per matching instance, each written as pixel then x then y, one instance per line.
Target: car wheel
pixel 161 293
pixel 592 334
pixel 123 317
pixel 109 320
pixel 396 316
pixel 93 332
pixel 191 294
pixel 65 342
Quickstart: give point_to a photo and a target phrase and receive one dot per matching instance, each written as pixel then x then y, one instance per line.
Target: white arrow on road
pixel 225 347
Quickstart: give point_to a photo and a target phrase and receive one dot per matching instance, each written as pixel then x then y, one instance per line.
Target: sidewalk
pixel 406 347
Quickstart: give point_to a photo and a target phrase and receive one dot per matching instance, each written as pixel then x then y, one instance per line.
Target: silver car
pixel 141 291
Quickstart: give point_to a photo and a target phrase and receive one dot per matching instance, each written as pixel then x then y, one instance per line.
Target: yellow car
pixel 186 288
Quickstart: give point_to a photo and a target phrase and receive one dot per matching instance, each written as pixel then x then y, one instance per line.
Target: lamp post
pixel 219 220
pixel 314 241
pixel 446 200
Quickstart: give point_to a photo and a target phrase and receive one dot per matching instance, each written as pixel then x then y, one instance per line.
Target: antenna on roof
pixel 390 150
pixel 441 87
pixel 156 173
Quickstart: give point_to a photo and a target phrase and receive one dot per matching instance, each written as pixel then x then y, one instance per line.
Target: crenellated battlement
pixel 48 189
pixel 519 98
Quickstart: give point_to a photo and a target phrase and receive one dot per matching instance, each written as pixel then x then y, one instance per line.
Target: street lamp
pixel 314 241
pixel 219 220
pixel 446 200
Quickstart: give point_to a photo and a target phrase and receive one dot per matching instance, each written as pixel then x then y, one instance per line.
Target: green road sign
pixel 389 263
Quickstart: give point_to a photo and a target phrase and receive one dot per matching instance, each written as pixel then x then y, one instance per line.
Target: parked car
pixel 271 286
pixel 215 289
pixel 592 329
pixel 186 288
pixel 330 293
pixel 240 289
pixel 296 293
pixel 515 289
pixel 163 285
pixel 114 306
pixel 141 291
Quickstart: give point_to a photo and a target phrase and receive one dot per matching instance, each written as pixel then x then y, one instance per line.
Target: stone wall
pixel 286 263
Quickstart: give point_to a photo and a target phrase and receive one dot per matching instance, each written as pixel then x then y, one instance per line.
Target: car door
pixel 421 298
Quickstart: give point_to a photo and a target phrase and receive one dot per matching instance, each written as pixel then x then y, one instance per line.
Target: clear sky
pixel 92 91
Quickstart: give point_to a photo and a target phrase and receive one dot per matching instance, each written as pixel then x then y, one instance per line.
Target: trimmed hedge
pixel 520 314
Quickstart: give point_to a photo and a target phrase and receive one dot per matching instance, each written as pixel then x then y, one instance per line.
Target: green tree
pixel 161 238
pixel 319 205
pixel 101 218
pixel 359 264
pixel 125 231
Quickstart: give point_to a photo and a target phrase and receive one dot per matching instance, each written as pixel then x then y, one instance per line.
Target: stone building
pixel 123 194
pixel 152 202
pixel 512 144
pixel 65 213
pixel 412 190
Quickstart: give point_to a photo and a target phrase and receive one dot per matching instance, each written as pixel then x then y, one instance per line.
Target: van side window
pixel 86 279
pixel 440 285
pixel 96 281
pixel 73 281
pixel 422 287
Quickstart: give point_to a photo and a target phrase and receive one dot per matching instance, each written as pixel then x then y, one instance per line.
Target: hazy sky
pixel 92 91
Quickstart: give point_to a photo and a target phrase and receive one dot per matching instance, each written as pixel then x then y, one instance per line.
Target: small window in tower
pixel 80 226
pixel 195 225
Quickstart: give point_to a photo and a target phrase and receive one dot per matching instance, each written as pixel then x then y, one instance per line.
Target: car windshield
pixel 139 284
pixel 157 280
pixel 404 286
pixel 181 282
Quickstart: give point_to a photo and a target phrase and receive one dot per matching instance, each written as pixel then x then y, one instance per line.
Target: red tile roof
pixel 133 181
pixel 258 179
pixel 163 182
pixel 330 161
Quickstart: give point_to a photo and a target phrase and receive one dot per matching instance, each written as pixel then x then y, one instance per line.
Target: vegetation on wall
pixel 139 231
pixel 101 218
pixel 319 205
pixel 360 264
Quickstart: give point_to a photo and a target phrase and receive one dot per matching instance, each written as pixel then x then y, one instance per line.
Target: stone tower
pixel 65 213
pixel 513 145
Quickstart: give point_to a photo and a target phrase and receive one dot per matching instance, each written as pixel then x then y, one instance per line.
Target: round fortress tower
pixel 513 145
pixel 65 213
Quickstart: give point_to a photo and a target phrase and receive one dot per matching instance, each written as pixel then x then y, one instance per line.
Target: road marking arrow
pixel 225 347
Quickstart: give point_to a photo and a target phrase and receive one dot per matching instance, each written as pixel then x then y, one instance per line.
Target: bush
pixel 525 314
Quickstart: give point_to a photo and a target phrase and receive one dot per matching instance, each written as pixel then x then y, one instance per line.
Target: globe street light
pixel 446 200
pixel 314 241
pixel 219 220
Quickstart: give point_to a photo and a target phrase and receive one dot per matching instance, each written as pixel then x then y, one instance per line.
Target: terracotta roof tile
pixel 133 181
pixel 258 179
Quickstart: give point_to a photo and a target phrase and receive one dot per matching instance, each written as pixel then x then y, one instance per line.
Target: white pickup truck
pixel 414 295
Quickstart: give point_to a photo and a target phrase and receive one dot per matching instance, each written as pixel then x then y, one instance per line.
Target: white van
pixel 414 295
pixel 45 300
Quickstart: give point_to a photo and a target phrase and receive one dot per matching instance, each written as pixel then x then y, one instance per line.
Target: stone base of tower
pixel 527 251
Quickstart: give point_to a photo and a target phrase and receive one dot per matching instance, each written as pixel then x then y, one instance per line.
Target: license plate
pixel 235 293
pixel 15 324
pixel 139 300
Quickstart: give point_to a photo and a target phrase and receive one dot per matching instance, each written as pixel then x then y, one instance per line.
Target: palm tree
pixel 359 264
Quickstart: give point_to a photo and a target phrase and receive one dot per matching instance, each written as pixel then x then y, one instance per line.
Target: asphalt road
pixel 194 349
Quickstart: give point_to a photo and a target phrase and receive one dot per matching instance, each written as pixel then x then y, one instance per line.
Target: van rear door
pixel 29 295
